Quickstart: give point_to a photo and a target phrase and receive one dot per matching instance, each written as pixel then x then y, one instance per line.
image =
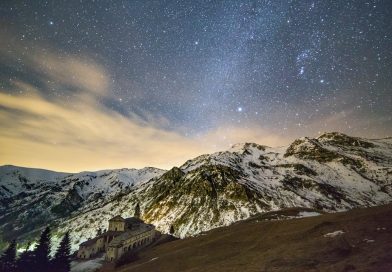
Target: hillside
pixel 333 172
pixel 357 240
pixel 32 198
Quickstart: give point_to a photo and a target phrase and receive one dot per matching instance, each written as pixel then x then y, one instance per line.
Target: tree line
pixel 39 259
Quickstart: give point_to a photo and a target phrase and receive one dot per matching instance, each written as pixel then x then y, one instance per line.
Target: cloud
pixel 78 132
pixel 74 73
pixel 78 136
pixel 81 134
pixel 66 73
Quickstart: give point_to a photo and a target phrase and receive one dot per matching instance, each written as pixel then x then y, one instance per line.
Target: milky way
pixel 290 68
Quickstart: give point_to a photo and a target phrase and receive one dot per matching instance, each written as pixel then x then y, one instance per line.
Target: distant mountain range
pixel 333 172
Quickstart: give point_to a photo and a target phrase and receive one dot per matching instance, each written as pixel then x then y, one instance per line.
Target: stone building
pixel 122 236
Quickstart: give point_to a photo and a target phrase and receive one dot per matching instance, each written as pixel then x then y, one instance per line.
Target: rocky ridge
pixel 332 172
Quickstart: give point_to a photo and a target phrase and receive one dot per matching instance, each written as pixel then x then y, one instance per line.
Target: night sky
pixel 108 84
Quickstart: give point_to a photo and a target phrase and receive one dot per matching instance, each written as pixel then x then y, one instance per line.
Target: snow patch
pixel 87 266
pixel 334 234
pixel 381 228
pixel 308 214
pixel 368 240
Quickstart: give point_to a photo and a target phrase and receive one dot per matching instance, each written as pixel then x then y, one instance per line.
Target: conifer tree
pixel 61 261
pixel 26 261
pixel 8 259
pixel 41 253
pixel 137 211
pixel 171 230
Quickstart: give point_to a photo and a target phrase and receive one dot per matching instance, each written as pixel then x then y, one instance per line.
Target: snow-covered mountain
pixel 33 198
pixel 332 172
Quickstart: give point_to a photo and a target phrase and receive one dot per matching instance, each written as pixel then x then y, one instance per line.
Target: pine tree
pixel 8 259
pixel 171 230
pixel 61 261
pixel 137 211
pixel 41 253
pixel 99 231
pixel 26 261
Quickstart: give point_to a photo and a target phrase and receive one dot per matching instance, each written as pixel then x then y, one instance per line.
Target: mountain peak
pixel 332 134
pixel 341 139
pixel 240 147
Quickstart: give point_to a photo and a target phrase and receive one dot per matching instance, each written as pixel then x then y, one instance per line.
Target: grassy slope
pixel 289 245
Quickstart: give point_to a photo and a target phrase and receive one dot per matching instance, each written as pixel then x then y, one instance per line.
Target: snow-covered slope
pixel 332 172
pixel 32 198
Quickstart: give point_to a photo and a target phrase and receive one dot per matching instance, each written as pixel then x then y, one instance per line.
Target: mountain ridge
pixel 332 172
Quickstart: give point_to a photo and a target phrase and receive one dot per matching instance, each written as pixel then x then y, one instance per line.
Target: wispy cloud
pixel 81 135
pixel 42 133
pixel 80 132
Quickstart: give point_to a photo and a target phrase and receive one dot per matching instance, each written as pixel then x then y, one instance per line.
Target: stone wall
pixel 116 226
pixel 114 253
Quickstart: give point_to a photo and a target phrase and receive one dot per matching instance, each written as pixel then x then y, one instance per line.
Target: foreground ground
pixel 358 240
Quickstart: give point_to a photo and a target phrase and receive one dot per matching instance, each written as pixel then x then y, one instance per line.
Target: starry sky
pixel 88 85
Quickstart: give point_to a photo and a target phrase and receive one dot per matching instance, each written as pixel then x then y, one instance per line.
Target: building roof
pixel 133 220
pixel 117 218
pixel 89 242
